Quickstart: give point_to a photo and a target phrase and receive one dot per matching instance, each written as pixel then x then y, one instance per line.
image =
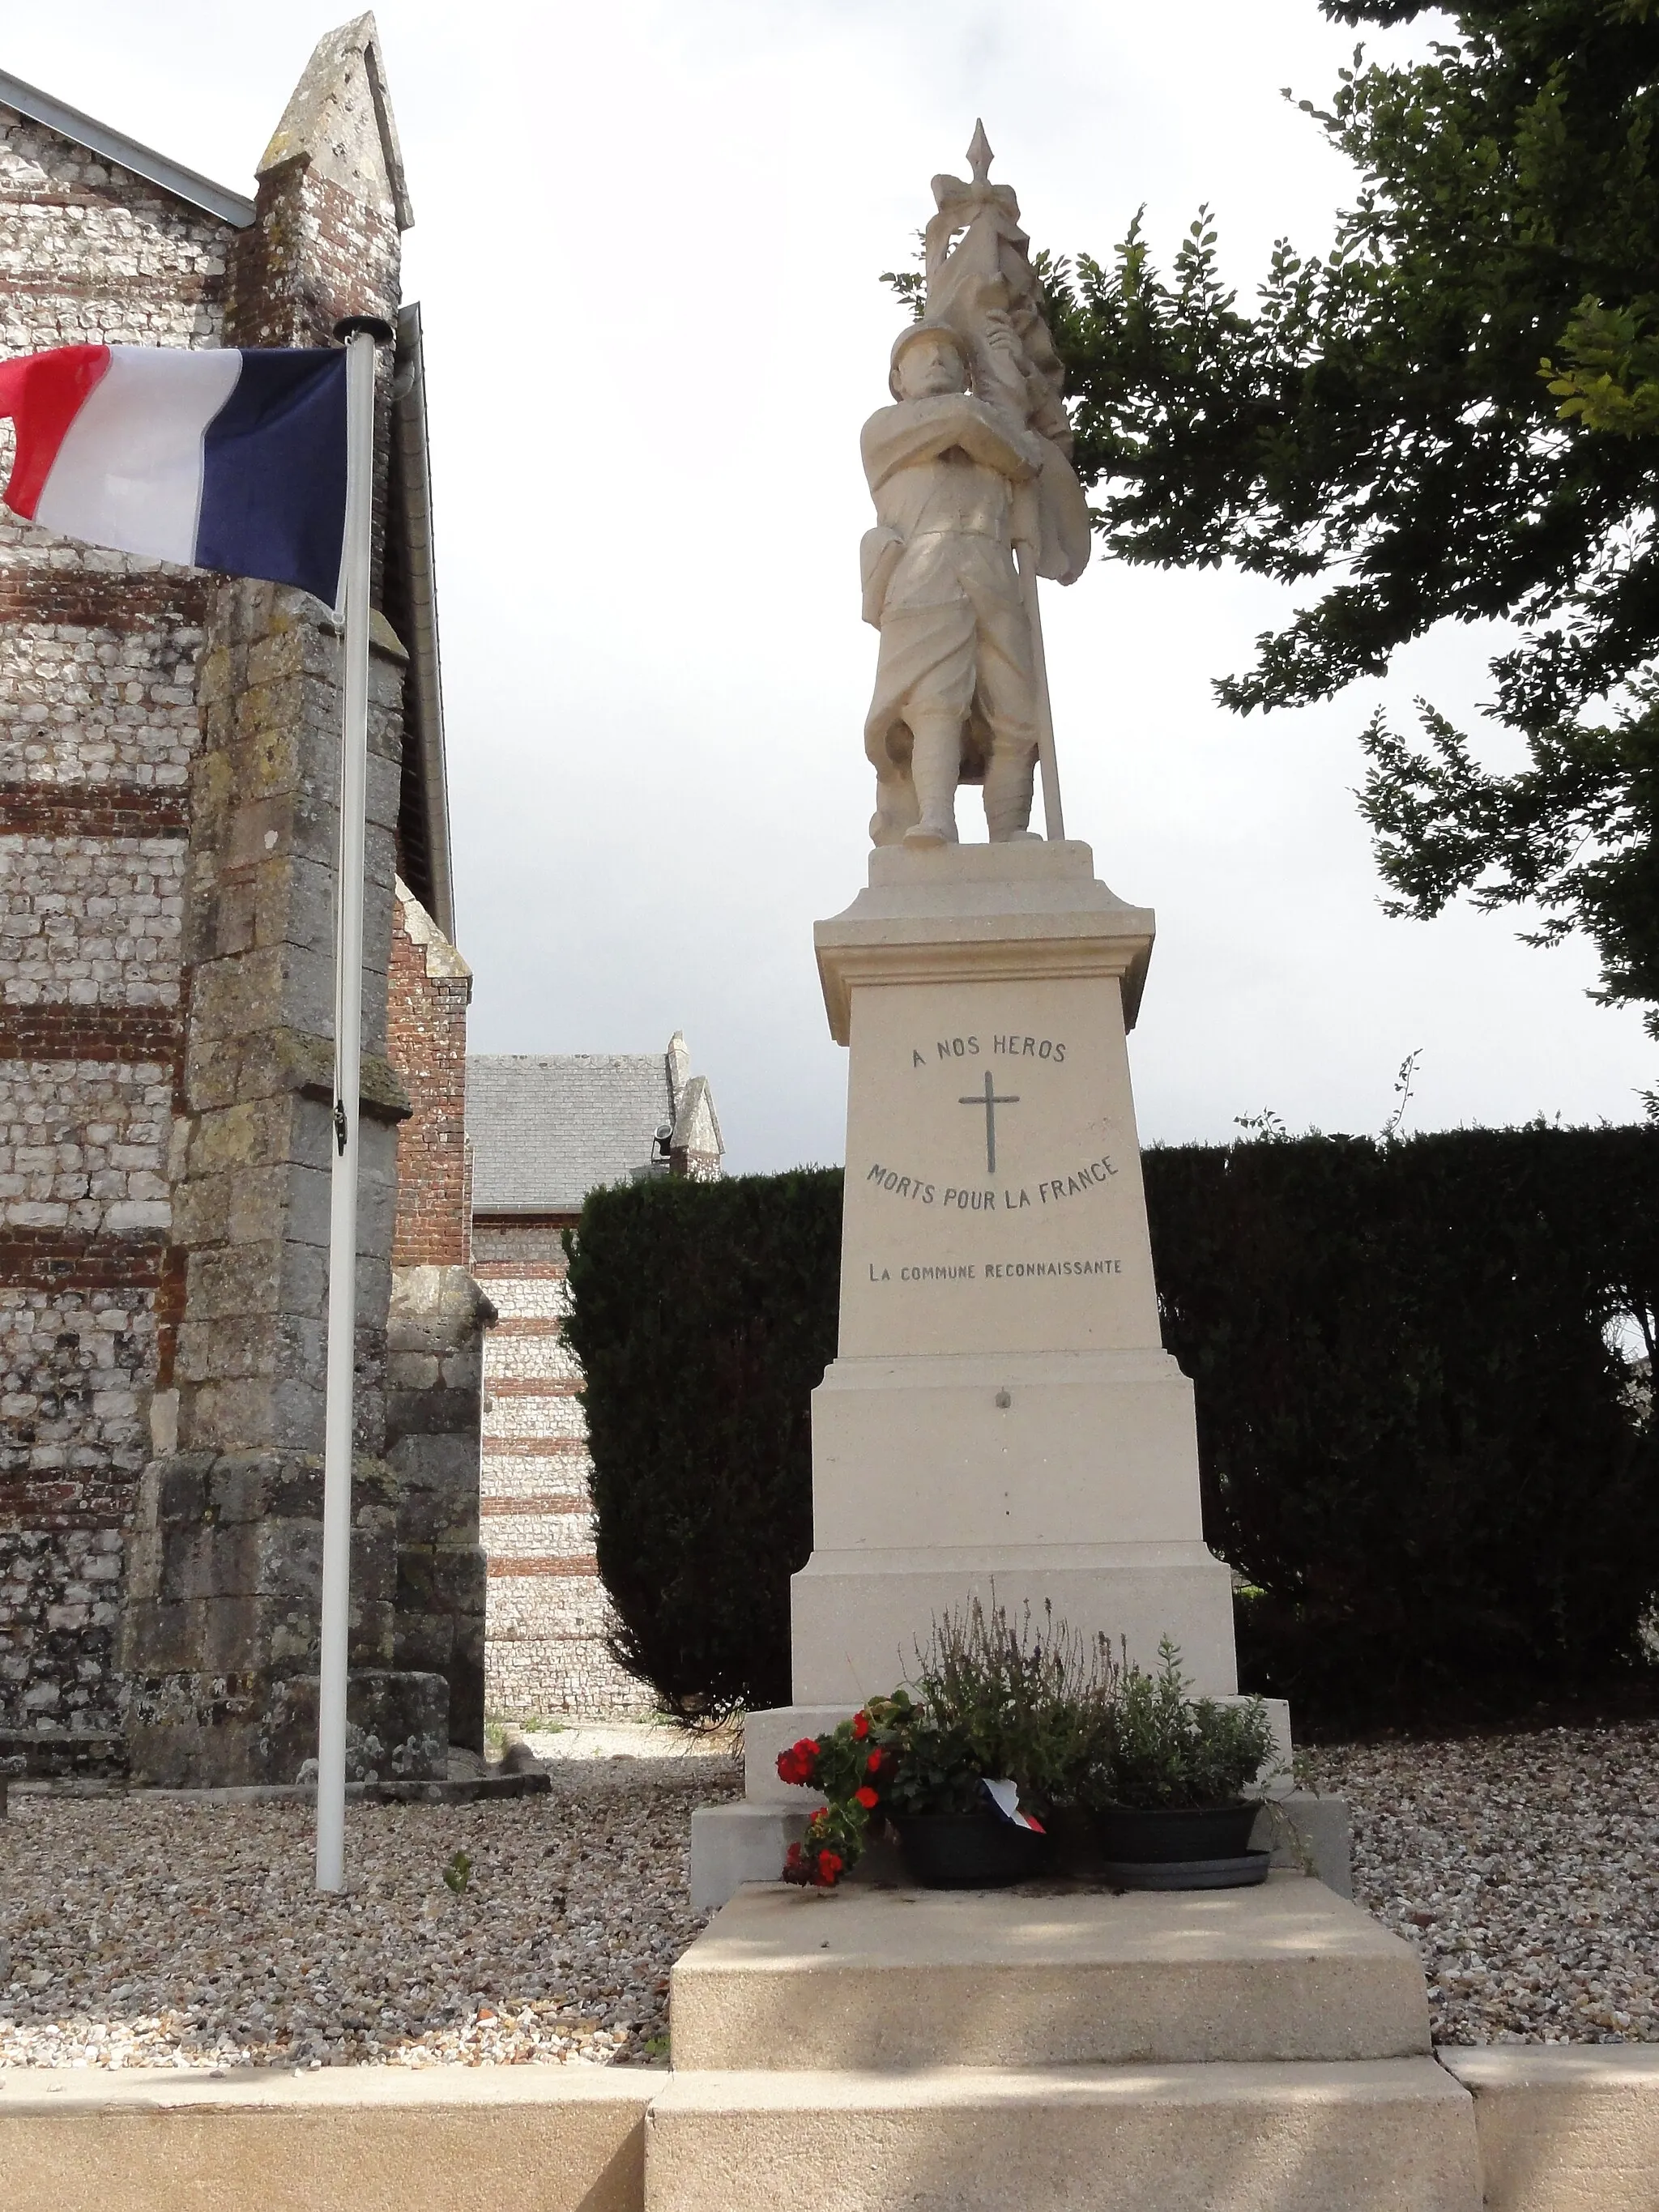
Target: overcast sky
pixel 648 244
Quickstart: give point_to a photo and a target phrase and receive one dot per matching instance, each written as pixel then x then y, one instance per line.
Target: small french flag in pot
pixel 219 457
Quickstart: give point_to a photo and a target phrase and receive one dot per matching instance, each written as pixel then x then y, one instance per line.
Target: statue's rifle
pixel 1053 820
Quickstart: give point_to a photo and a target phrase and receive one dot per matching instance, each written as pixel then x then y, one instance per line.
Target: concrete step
pixel 789 1978
pixel 1382 2135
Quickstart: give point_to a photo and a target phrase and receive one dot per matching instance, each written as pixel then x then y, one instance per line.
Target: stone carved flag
pixel 219 458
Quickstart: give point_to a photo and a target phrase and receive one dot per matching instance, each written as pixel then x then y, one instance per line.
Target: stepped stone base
pixel 905 1978
pixel 1380 2136
pixel 1258 2050
pixel 1572 2128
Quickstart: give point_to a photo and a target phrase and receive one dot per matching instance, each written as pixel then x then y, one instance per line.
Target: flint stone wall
pixel 430 989
pixel 99 725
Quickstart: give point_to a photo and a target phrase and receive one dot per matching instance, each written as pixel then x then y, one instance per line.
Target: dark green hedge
pixel 1416 1442
pixel 704 1316
pixel 1415 1438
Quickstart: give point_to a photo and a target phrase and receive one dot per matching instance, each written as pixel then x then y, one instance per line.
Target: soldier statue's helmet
pixel 908 337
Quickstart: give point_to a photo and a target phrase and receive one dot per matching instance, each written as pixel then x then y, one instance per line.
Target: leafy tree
pixel 1449 415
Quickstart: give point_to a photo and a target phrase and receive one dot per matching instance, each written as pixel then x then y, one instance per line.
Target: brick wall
pixel 429 987
pixel 435 1331
pixel 544 1650
pixel 98 726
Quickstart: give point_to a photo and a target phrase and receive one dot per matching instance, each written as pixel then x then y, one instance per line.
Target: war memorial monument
pixel 1002 1420
pixel 1002 1417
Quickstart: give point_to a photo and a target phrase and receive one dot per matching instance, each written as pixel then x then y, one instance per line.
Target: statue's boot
pixel 935 765
pixel 1009 781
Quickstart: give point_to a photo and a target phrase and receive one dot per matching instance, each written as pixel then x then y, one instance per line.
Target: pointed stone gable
pixel 339 122
pixel 326 239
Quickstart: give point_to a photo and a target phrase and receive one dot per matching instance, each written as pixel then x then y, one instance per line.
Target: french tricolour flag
pixel 220 458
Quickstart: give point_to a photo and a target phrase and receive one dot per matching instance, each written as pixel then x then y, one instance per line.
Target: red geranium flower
pixel 798 1764
pixel 876 1761
pixel 860 1725
pixel 867 1797
pixel 829 1865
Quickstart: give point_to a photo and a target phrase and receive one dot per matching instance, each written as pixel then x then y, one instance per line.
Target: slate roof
pixel 548 1128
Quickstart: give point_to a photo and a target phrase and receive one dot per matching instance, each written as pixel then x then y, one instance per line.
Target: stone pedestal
pixel 1002 1414
pixel 1001 1419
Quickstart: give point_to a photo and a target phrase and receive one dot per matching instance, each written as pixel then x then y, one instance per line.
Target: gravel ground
pixel 163 1931
pixel 1525 1870
pixel 150 1931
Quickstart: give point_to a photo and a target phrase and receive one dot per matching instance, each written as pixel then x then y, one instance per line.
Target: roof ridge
pixel 85 130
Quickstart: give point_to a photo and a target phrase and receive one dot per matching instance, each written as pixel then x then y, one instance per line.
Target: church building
pixel 169 750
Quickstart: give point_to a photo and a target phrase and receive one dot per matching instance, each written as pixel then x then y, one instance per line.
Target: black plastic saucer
pixel 1242 1873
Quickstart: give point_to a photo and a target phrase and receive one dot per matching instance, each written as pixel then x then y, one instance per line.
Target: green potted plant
pixel 1004 1724
pixel 1172 1795
pixel 959 1827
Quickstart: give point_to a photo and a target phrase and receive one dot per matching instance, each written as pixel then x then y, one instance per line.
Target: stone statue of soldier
pixel 971 474
pixel 955 681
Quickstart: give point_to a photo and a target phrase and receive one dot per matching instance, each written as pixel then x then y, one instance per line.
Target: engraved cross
pixel 989 1100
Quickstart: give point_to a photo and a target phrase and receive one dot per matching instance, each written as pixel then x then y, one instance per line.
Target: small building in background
pixel 546 1129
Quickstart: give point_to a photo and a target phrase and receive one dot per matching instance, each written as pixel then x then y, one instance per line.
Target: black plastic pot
pixel 1162 1833
pixel 969 1851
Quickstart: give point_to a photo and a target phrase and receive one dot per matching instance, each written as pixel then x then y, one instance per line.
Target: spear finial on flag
pixel 980 156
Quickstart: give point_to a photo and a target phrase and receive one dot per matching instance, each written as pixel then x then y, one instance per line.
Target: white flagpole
pixel 361 334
